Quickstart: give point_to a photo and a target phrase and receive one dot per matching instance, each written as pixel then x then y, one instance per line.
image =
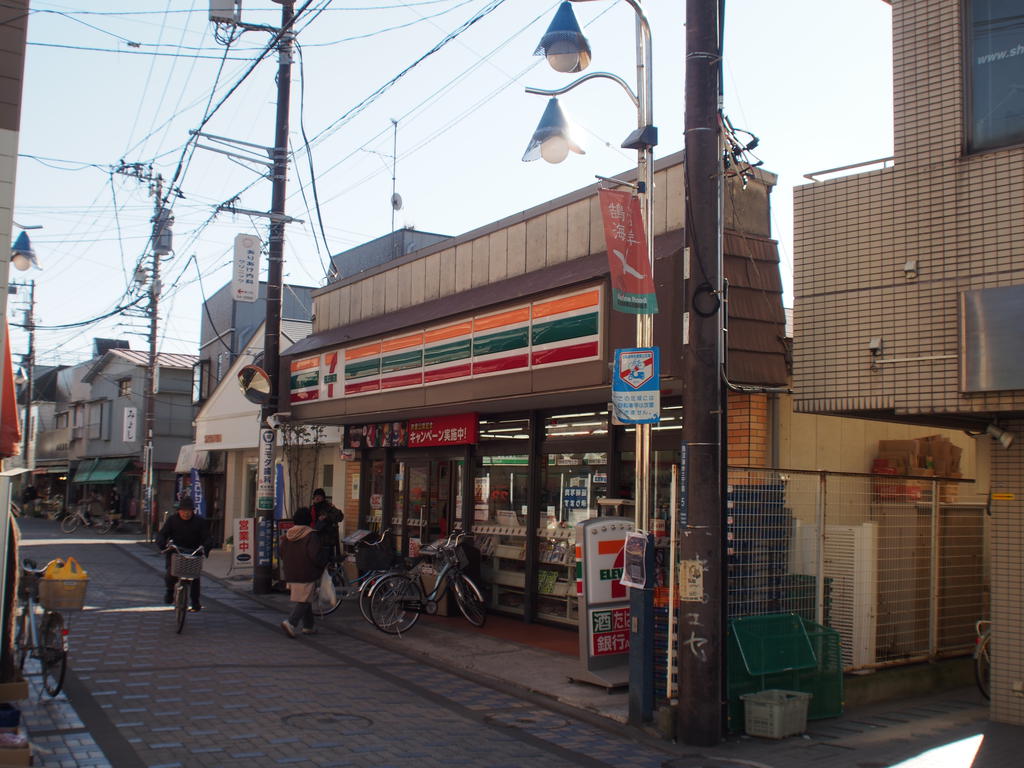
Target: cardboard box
pixel 17 756
pixel 15 690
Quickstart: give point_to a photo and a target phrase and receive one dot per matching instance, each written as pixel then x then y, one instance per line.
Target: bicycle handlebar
pixel 172 547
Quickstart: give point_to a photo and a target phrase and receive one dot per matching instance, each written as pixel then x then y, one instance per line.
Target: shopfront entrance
pixel 428 498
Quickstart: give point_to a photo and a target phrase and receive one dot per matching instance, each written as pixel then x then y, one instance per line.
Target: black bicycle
pixel 186 567
pixel 42 638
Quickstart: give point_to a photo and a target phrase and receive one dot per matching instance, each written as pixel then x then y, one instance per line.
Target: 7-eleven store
pixel 472 381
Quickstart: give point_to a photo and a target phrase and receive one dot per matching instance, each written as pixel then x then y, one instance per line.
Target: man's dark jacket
pixel 326 518
pixel 188 535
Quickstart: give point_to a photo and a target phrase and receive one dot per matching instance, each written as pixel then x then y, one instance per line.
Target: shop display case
pixel 503 564
pixel 556 574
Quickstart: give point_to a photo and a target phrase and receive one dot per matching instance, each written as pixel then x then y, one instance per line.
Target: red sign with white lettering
pixel 460 429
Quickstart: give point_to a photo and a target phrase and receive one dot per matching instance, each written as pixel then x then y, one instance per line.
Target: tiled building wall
pixel 1007 577
pixel 748 430
pixel 960 218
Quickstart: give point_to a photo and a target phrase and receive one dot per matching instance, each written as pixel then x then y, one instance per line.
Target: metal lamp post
pixel 567 50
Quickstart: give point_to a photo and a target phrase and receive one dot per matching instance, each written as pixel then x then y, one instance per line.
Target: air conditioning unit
pixel 851 558
pixel 226 11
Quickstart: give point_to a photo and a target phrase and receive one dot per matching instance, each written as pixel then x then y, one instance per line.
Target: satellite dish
pixel 396 201
pixel 255 384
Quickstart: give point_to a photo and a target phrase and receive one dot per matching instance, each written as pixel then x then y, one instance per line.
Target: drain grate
pixel 327 721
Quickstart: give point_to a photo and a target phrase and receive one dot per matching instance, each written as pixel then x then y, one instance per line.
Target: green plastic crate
pixel 774 643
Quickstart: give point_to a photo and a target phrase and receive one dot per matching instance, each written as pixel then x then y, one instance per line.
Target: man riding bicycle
pixel 189 533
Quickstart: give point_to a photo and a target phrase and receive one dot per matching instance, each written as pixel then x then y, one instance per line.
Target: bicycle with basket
pixel 186 567
pixel 58 586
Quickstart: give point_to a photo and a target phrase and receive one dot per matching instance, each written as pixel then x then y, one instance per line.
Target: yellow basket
pixel 63 586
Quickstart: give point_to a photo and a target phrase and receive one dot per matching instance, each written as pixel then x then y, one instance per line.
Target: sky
pixel 127 81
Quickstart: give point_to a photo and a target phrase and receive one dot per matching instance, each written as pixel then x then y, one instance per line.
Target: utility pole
pixel 702 612
pixel 160 245
pixel 30 361
pixel 262 571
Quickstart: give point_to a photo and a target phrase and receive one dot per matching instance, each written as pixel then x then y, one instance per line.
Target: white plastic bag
pixel 326 598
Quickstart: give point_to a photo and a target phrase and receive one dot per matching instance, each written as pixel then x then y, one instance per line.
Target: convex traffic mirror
pixel 255 384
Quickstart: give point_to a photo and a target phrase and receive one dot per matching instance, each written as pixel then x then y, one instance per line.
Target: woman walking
pixel 303 560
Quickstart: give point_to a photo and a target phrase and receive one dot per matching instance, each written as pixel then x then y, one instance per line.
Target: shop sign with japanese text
pixel 628 261
pixel 265 484
pixel 244 528
pixel 609 631
pixel 636 385
pixel 389 435
pixel 459 429
pixel 245 272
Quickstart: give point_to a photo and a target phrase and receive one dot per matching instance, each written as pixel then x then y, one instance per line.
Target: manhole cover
pixel 532 720
pixel 327 721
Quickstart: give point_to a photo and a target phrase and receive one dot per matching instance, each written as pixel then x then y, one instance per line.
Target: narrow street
pixel 234 690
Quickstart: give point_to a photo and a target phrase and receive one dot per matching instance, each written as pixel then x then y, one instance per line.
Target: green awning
pixel 108 470
pixel 99 470
pixel 84 471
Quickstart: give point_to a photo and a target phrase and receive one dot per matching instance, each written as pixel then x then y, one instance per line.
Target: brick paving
pixel 233 690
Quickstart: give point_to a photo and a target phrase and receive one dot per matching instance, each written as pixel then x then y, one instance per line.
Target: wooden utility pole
pixel 30 363
pixel 702 611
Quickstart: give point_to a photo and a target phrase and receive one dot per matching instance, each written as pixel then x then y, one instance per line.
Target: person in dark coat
pixel 303 558
pixel 188 533
pixel 326 519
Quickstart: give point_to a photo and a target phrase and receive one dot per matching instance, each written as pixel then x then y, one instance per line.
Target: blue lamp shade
pixel 22 254
pixel 564 45
pixel 553 138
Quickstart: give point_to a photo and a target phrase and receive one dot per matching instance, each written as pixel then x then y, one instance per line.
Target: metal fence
pixel 895 564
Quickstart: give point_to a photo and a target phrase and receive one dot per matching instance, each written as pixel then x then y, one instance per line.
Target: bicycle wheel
pixel 70 523
pixel 469 599
pixel 365 592
pixel 389 604
pixel 23 638
pixel 180 603
pixel 983 665
pixel 53 653
pixel 105 526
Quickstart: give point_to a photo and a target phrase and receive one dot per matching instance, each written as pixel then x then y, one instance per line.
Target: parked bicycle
pixel 186 567
pixel 396 601
pixel 75 518
pixel 983 657
pixel 374 559
pixel 44 638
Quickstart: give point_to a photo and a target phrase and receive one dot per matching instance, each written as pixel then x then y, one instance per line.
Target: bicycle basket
pixel 62 594
pixel 186 566
pixel 374 558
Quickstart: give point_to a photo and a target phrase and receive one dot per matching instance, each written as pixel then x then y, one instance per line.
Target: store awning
pixel 100 470
pixel 84 471
pixel 108 470
pixel 189 458
pixel 10 427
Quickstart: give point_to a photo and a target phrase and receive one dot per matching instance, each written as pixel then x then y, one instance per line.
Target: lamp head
pixel 564 45
pixel 22 254
pixel 553 138
pixel 1000 435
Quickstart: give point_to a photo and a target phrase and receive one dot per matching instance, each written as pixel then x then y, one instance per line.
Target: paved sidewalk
pixel 233 690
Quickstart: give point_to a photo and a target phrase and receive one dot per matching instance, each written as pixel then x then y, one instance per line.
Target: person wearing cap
pixel 189 533
pixel 326 519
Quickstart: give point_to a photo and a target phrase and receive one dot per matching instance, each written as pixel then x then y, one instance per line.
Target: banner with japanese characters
pixel 245 271
pixel 629 262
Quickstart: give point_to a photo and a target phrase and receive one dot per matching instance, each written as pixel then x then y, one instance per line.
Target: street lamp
pixel 23 256
pixel 567 50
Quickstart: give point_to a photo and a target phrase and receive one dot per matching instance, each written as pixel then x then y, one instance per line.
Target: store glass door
pixel 431 498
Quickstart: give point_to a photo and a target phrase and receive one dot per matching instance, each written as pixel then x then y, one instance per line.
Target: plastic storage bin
pixel 63 586
pixel 775 714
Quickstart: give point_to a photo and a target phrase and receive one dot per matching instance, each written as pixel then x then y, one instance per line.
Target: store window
pixel 375 517
pixel 124 387
pixel 517 428
pixel 500 507
pixel 327 480
pixel 576 425
pixel 995 70
pixel 662 468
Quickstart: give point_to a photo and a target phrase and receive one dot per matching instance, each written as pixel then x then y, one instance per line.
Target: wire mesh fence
pixel 894 564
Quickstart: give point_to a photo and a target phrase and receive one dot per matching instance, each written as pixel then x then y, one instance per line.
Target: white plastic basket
pixel 775 714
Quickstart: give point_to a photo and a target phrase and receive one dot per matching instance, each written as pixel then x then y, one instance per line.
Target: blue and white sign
pixel 198 499
pixel 575 498
pixel 636 385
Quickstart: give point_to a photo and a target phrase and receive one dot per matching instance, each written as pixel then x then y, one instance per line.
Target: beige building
pixel 909 276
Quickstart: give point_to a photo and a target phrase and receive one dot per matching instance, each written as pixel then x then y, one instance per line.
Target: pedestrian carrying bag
pixel 326 597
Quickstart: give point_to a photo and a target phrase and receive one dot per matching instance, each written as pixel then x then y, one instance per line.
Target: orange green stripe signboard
pixel 305 379
pixel 558 330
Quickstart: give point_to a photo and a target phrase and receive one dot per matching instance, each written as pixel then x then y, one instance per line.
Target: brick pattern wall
pixel 1007 576
pixel 748 430
pixel 961 218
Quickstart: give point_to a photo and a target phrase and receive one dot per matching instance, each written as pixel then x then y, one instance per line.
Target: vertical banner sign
pixel 265 479
pixel 628 260
pixel 264 542
pixel 244 540
pixel 198 498
pixel 245 272
pixel 684 478
pixel 131 424
pixel 636 385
